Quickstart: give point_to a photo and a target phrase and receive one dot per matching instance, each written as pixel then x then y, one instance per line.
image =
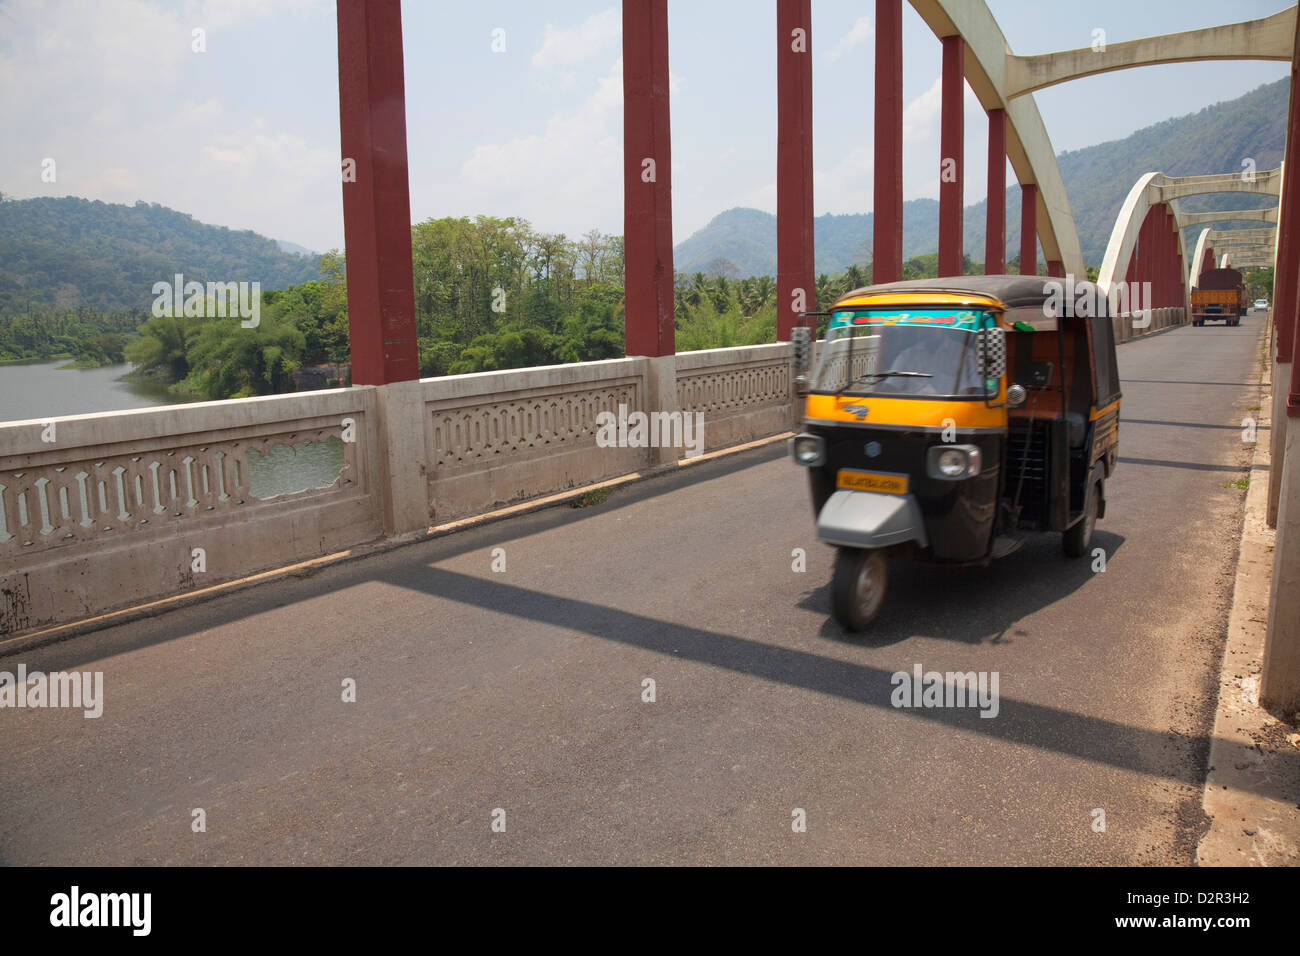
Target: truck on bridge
pixel 1219 295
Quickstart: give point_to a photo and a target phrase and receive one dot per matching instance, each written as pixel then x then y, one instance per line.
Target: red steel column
pixel 1056 269
pixel 1140 252
pixel 1166 254
pixel 1161 255
pixel 1180 271
pixel 1157 216
pixel 795 268
pixel 647 180
pixel 1170 260
pixel 1028 229
pixel 377 205
pixel 1176 274
pixel 1287 272
pixel 952 148
pixel 887 203
pixel 995 227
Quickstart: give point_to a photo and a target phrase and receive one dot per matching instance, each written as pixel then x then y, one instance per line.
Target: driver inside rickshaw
pixel 943 363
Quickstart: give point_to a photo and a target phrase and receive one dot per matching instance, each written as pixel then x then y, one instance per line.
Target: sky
pixel 245 132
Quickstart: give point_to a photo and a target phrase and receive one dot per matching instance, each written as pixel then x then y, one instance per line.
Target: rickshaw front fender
pixel 868 519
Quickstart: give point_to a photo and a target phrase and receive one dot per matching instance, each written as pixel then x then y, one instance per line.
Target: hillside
pixel 1097 179
pixel 73 252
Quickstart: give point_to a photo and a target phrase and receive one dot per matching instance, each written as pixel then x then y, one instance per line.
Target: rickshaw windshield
pixel 931 352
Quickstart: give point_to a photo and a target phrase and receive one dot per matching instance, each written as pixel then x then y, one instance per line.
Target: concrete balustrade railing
pixel 1126 330
pixel 108 511
pixel 743 393
pixel 494 438
pixel 103 511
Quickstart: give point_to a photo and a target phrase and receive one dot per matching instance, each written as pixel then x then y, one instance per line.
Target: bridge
pixel 648 675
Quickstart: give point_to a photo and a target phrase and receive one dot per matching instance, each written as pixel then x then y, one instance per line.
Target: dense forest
pixel 489 294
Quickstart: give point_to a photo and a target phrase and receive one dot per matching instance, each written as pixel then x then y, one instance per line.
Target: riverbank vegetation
pixel 490 294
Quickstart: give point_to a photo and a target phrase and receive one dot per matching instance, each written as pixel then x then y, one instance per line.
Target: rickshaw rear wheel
pixel 1078 538
pixel 858 587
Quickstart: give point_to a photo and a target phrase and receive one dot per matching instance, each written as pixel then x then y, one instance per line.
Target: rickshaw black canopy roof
pixel 1015 291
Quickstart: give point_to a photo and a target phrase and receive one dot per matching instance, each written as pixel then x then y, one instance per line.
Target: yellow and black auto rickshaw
pixel 945 418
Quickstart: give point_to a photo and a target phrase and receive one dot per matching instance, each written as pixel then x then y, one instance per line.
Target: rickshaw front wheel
pixel 858 587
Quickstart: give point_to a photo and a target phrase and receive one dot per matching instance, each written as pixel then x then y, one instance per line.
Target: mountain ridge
pixel 1097 179
pixel 67 252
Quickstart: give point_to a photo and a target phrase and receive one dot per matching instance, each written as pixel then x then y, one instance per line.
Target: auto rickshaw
pixel 946 419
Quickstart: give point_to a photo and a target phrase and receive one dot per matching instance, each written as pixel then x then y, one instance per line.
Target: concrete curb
pixel 1252 790
pixel 22 643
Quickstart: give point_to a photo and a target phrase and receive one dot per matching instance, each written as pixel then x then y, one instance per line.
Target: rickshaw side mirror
pixel 993 350
pixel 801 340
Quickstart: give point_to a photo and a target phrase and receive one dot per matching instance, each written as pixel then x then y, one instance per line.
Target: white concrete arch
pixel 1156 188
pixel 1028 147
pixel 1001 80
pixel 1251 255
pixel 1220 238
pixel 1202 243
pixel 1268 214
pixel 1269 38
pixel 1264 182
pixel 1123 238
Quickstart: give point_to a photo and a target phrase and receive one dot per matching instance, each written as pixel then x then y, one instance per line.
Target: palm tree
pixel 721 294
pixel 825 291
pixel 163 346
pixel 698 288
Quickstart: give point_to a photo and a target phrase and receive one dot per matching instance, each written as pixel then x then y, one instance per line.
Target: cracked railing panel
pixel 121 508
pixel 500 437
pixel 737 394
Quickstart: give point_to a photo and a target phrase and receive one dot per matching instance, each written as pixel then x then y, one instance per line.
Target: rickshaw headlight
pixel 954 462
pixel 808 450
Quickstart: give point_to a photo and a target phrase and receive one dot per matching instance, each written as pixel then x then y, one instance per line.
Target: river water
pixel 42 391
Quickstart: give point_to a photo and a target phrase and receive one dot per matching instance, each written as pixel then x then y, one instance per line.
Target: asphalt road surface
pixel 522 691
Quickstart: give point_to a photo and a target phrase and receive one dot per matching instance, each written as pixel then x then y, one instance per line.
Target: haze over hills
pixel 1215 140
pixel 70 252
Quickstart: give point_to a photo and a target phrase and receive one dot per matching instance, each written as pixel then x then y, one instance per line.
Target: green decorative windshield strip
pixel 944 318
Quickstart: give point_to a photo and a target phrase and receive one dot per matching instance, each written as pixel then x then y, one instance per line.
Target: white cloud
pixel 569 172
pixel 100 88
pixel 862 30
pixel 564 46
pixel 921 116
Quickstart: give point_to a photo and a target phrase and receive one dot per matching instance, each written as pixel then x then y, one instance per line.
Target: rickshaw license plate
pixel 871 481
